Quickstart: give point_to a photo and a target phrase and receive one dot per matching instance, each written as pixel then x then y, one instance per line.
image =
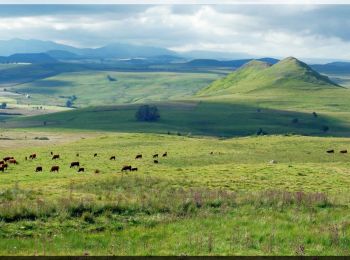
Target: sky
pixel 313 31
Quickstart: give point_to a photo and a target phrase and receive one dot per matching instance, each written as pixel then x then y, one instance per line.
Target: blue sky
pixel 304 31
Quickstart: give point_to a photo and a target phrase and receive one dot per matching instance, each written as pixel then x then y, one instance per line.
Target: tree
pixel 325 128
pixel 3 105
pixel 69 103
pixel 147 113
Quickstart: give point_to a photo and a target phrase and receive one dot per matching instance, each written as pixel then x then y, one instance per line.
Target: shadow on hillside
pixel 192 118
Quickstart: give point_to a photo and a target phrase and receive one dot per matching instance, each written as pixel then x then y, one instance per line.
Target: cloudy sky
pixel 303 31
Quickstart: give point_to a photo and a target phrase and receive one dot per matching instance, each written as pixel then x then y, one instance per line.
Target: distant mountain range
pixel 114 50
pixel 38 52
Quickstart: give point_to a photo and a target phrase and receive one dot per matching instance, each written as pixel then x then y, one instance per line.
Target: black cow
pixel 112 158
pixel 73 164
pixel 55 168
pixel 344 151
pixel 134 169
pixel 39 169
pixel 155 155
pixel 126 168
pixel 139 156
pixel 165 154
pixel 155 161
pixel 330 151
pixel 81 170
pixel 56 156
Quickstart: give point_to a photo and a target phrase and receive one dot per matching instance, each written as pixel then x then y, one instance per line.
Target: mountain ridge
pixel 289 73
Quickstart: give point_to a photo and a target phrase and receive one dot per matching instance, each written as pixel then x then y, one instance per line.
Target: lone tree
pixel 147 113
pixel 3 105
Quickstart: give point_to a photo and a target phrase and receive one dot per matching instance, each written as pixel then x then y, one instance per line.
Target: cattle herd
pixel 4 164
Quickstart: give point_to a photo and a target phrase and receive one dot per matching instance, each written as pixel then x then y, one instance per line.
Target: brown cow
pixel 55 168
pixel 56 156
pixel 4 165
pixel 112 158
pixel 155 155
pixel 32 156
pixel 8 158
pixel 343 151
pixel 155 161
pixel 81 170
pixel 2 169
pixel 2 162
pixel 126 168
pixel 134 169
pixel 13 161
pixel 139 156
pixel 165 154
pixel 330 151
pixel 73 164
pixel 39 169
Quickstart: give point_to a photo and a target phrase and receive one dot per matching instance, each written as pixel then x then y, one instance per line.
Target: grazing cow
pixel 39 169
pixel 73 164
pixel 134 169
pixel 139 156
pixel 126 168
pixel 8 158
pixel 32 156
pixel 77 154
pixel 155 161
pixel 155 155
pixel 95 154
pixel 55 168
pixel 51 153
pixel 165 154
pixel 81 170
pixel 112 158
pixel 13 161
pixel 211 153
pixel 330 151
pixel 343 151
pixel 56 156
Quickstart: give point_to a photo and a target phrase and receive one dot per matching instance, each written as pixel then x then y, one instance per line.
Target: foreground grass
pixel 192 203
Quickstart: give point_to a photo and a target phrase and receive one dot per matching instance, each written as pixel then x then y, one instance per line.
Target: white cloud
pixel 262 31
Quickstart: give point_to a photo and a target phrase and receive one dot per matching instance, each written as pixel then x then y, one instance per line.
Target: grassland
pixel 192 203
pixel 94 88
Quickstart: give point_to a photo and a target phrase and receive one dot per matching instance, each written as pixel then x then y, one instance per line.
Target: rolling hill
pixel 288 74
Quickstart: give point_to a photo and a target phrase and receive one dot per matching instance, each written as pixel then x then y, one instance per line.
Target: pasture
pixel 209 196
pixel 94 88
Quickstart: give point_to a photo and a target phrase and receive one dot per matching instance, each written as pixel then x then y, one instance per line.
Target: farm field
pixel 231 202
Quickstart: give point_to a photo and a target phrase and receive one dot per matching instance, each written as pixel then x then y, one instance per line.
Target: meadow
pixel 94 88
pixel 216 197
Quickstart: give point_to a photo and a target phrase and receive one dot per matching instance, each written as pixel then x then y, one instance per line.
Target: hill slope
pixel 288 74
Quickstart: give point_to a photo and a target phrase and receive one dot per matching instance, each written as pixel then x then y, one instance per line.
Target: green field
pixel 193 202
pixel 94 88
pixel 222 189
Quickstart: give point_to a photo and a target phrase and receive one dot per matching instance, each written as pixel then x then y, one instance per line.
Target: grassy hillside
pixel 107 87
pixel 255 77
pixel 192 203
pixel 192 117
